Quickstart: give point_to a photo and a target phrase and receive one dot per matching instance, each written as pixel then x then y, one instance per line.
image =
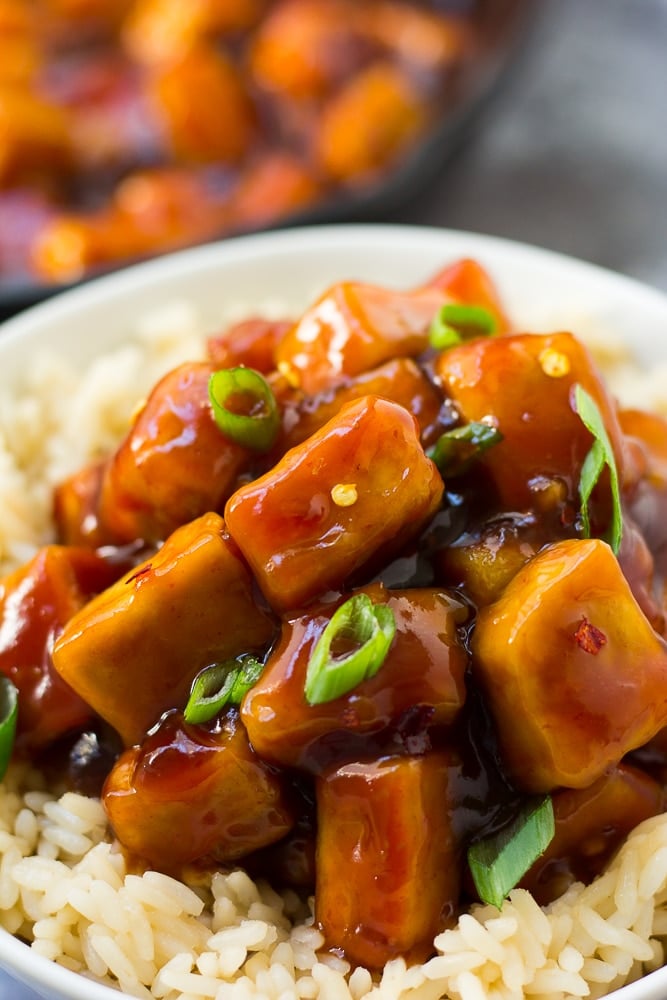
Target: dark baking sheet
pixel 504 30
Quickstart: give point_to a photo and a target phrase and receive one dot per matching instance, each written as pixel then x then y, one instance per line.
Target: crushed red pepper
pixel 589 638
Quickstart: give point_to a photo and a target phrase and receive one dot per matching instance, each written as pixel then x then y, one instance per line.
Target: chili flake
pixel 589 638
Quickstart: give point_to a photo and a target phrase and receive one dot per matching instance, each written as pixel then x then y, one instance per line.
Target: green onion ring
pixel 370 628
pixel 256 429
pixel 455 322
pixel 455 450
pixel 219 685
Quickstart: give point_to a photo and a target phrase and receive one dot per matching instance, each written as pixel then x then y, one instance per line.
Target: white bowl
pixel 542 291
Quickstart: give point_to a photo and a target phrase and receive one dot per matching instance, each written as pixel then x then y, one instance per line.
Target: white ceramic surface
pixel 542 291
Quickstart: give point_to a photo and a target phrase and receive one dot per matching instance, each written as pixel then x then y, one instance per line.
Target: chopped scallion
pixel 455 450
pixel 499 862
pixel 9 710
pixel 455 322
pixel 244 407
pixel 220 685
pixel 365 632
pixel 601 454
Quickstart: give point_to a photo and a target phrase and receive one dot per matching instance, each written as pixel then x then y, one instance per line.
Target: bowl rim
pixel 152 277
pixel 381 237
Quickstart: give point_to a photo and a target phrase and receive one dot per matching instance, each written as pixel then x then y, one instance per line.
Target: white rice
pixel 65 888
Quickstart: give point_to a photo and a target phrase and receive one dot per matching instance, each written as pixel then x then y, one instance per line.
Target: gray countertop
pixel 572 152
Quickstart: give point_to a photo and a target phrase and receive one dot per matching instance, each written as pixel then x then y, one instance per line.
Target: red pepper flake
pixel 589 638
pixel 140 573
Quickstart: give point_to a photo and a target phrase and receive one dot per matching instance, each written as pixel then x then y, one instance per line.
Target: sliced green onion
pixel 358 623
pixel 244 407
pixel 220 685
pixel 499 862
pixel 455 450
pixel 601 454
pixel 454 323
pixel 9 711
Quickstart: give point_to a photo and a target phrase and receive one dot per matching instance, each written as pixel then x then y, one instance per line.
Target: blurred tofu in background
pixel 129 128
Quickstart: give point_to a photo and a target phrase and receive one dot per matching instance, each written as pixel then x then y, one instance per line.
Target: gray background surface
pixel 571 155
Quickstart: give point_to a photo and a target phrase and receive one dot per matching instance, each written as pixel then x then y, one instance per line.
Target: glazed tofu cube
pixel 217 127
pixel 303 49
pixel 392 110
pixel 360 484
pixel 573 673
pixel 75 507
pixel 590 824
pixel 421 38
pixel 647 435
pixel 36 602
pixel 400 380
pixel 523 384
pixel 34 136
pixel 387 862
pixel 133 651
pixel 423 669
pixel 482 562
pixel 252 343
pixel 352 328
pixel 174 465
pixel 210 797
pixel 467 282
pixel 157 30
pixel 273 186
